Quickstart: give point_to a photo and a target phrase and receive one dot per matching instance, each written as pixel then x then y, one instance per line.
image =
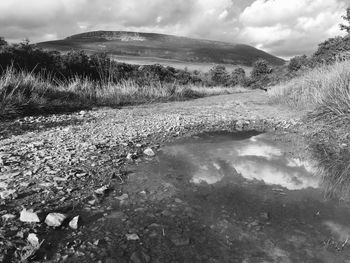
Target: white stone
pixel 33 240
pixel 132 237
pixel 73 224
pixel 149 152
pixel 101 190
pixel 8 217
pixel 55 219
pixel 28 216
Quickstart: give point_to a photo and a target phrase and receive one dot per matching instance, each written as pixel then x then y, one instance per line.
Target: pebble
pixel 55 219
pixel 101 190
pixel 33 240
pixel 73 224
pixel 28 216
pixel 132 237
pixel 8 217
pixel 149 152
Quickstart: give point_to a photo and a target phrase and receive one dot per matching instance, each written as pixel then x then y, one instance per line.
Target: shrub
pixel 219 76
pixel 260 69
pixel 238 77
pixel 3 42
pixel 332 50
pixel 298 63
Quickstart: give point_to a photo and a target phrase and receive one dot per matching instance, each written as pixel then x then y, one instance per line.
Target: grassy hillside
pixel 150 45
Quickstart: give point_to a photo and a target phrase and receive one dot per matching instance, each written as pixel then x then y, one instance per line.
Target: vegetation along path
pixel 90 186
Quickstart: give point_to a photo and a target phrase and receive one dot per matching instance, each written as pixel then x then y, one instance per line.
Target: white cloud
pixel 289 28
pixel 273 25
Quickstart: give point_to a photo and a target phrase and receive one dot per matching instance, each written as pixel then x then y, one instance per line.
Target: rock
pixel 7 194
pixel 28 216
pixel 149 152
pixel 132 237
pixel 130 156
pixel 73 224
pixel 33 240
pixel 140 257
pixel 92 202
pixel 55 219
pixel 101 190
pixel 8 217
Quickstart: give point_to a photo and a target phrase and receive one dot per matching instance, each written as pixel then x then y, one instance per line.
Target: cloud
pixel 288 28
pixel 39 18
pixel 273 25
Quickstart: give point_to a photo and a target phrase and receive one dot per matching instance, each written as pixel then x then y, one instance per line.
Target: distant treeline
pixel 100 67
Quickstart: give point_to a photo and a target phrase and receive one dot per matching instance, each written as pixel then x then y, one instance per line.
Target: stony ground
pixel 63 163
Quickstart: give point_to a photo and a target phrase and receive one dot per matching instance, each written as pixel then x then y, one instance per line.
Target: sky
pixel 283 28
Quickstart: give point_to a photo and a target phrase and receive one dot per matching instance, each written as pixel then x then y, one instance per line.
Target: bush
pixel 332 50
pixel 238 77
pixel 219 76
pixel 298 63
pixel 3 42
pixel 260 69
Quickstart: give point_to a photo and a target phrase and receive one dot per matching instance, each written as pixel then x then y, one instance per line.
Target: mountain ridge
pixel 163 46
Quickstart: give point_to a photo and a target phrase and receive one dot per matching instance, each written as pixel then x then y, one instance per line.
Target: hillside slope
pixel 159 46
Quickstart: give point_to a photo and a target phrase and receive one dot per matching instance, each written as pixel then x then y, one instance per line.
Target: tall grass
pixel 324 92
pixel 326 86
pixel 23 93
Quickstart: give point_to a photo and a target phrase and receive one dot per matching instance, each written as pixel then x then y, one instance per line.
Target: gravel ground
pixel 56 163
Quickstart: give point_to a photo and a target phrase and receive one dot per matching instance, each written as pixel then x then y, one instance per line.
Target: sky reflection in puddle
pixel 256 159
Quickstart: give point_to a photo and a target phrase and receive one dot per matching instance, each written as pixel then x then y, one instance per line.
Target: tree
pixel 332 49
pixel 345 27
pixel 219 75
pixel 238 76
pixel 3 42
pixel 297 63
pixel 261 68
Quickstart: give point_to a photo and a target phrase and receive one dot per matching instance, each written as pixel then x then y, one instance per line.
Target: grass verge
pixel 23 93
pixel 324 93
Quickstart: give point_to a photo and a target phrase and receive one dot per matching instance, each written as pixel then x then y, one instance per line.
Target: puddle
pixel 220 197
pixel 248 189
pixel 255 159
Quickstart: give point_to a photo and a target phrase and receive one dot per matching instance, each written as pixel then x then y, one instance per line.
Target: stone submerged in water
pixel 55 219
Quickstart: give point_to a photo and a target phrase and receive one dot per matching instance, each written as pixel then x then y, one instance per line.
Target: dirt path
pixel 56 164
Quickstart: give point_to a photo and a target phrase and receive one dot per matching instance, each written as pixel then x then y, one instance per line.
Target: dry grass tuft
pixel 23 93
pixel 325 93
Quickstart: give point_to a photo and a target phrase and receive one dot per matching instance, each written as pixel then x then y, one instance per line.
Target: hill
pixel 159 46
